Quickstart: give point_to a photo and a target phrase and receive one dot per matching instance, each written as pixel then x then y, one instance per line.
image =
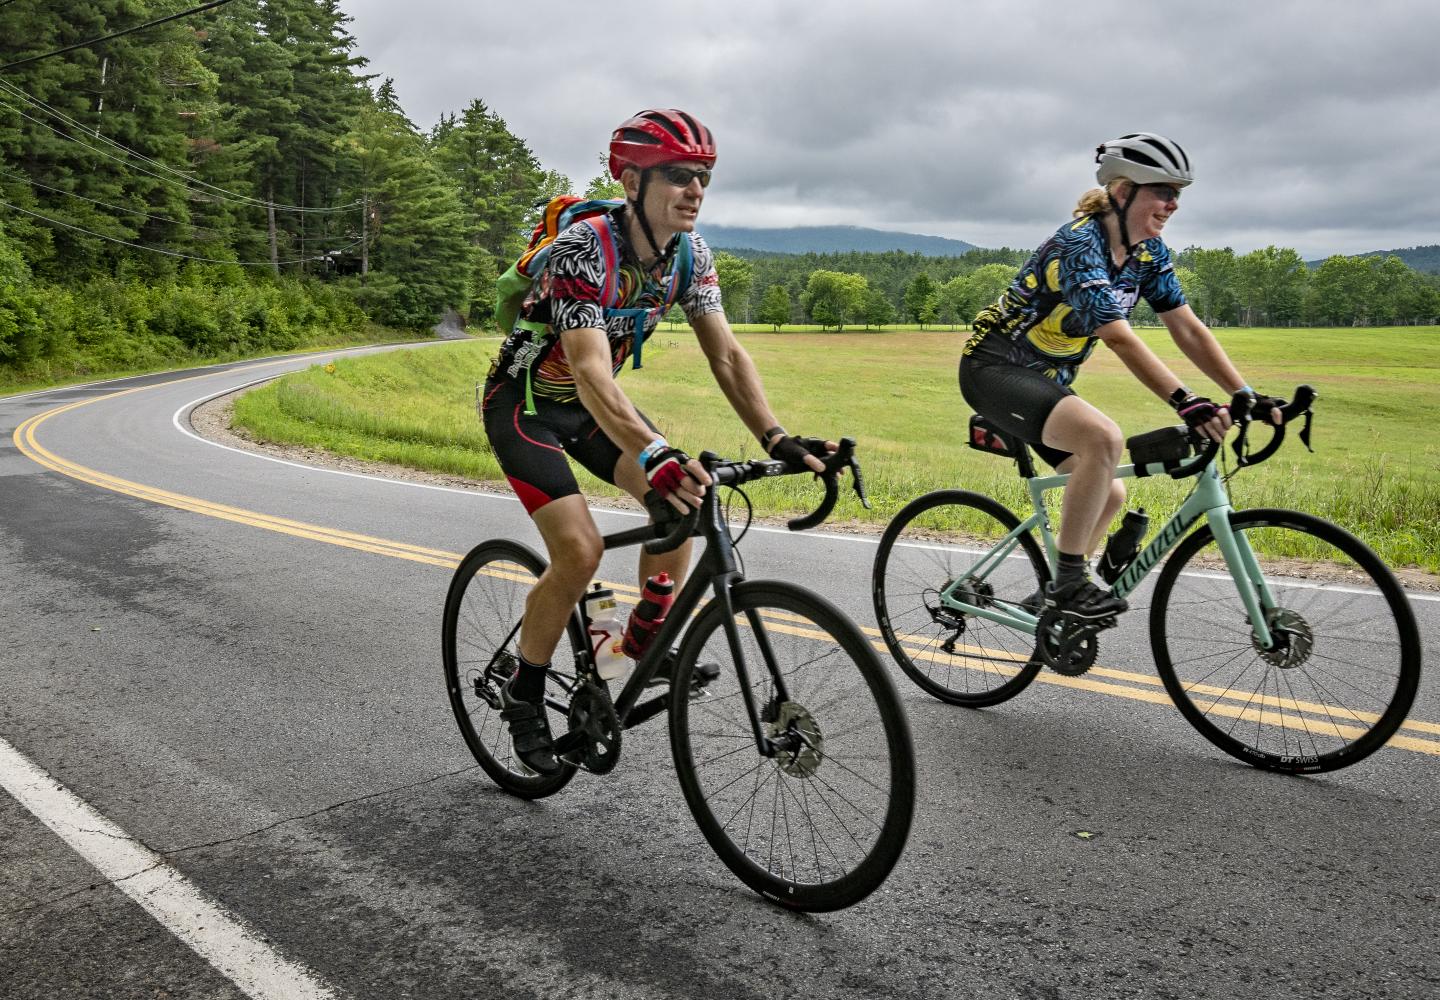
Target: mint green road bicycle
pixel 1268 662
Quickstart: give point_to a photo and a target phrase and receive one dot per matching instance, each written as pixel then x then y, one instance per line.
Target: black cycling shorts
pixel 1017 400
pixel 531 450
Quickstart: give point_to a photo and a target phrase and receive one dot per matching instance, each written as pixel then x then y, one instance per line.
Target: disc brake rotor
pixel 1293 638
pixel 802 745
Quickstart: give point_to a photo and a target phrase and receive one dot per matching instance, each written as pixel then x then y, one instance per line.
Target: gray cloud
pixel 1310 122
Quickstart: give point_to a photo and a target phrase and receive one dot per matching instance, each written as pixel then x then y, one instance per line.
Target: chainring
pixel 593 714
pixel 1067 645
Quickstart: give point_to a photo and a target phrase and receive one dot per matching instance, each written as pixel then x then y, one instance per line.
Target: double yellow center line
pixel 1149 689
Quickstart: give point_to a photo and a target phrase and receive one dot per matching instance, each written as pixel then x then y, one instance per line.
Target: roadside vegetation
pixel 1376 470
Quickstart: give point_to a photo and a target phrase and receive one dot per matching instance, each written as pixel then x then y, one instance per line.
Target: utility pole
pixel 100 107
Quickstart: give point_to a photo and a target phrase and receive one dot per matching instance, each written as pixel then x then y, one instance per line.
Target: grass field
pixel 1376 470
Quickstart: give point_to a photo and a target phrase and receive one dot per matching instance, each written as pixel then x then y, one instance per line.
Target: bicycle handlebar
pixel 673 528
pixel 1304 396
pixel 1243 411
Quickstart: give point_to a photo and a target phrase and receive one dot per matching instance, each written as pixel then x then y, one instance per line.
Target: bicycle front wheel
pixel 1341 672
pixel 819 824
pixel 478 643
pixel 960 658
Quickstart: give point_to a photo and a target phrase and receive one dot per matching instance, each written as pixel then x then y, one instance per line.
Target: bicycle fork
pixel 766 745
pixel 1245 570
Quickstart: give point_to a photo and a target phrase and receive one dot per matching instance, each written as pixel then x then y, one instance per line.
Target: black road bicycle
pixel 795 757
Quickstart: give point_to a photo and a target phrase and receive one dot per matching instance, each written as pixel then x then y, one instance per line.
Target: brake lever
pixel 854 468
pixel 1305 431
pixel 1240 405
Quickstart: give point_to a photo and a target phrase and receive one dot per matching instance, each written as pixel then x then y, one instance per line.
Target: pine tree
pixel 419 260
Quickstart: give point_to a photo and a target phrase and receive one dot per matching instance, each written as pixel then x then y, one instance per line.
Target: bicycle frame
pixel 1209 500
pixel 719 571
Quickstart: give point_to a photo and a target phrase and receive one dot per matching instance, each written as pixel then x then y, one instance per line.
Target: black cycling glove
pixel 1195 410
pixel 792 450
pixel 1264 404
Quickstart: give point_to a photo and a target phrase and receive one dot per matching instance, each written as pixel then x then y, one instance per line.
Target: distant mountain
pixel 1426 259
pixel 830 239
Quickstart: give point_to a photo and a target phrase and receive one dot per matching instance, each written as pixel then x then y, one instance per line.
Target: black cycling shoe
pixel 1083 599
pixel 1035 603
pixel 529 731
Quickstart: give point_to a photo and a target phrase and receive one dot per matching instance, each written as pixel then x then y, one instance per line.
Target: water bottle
pixel 1123 545
pixel 604 628
pixel 655 600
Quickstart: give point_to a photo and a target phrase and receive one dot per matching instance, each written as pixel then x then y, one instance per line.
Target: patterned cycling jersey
pixel 569 295
pixel 1069 288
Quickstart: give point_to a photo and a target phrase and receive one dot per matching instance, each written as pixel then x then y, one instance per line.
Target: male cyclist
pixel 568 345
pixel 1080 286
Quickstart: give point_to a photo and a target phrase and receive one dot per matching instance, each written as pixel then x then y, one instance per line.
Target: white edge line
pixel 180 424
pixel 212 932
pixel 863 539
pixel 219 367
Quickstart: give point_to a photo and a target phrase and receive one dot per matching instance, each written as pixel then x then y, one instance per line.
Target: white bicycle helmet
pixel 1145 158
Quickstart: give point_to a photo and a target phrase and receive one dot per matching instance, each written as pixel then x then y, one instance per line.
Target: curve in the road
pixel 1147 689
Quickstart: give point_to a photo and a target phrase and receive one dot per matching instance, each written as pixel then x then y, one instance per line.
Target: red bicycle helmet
pixel 653 137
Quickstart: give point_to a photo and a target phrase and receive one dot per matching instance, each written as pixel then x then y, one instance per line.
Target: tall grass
pixel 1376 470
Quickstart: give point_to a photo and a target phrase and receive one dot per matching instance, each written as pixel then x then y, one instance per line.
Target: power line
pixel 185 181
pixel 235 234
pixel 173 253
pixel 117 34
pixel 231 196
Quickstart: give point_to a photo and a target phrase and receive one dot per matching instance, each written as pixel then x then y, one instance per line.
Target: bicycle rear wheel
pixel 1343 672
pixel 479 635
pixel 961 659
pixel 819 825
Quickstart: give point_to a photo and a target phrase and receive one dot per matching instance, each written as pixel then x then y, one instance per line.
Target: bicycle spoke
pixel 1340 674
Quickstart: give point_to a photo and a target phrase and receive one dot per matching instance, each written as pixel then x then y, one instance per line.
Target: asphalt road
pixel 221 685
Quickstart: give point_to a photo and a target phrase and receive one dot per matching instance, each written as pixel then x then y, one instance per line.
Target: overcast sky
pixel 1311 125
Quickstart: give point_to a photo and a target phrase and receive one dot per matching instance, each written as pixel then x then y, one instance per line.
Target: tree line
pixel 1267 287
pixel 234 182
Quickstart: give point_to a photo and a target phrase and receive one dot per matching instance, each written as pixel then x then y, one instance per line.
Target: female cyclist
pixel 1080 286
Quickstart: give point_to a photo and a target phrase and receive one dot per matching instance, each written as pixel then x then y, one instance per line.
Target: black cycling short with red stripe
pixel 531 450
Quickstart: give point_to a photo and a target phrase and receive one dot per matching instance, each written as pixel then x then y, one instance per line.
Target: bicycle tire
pixel 1335 642
pixel 908 577
pixel 478 636
pixel 842 801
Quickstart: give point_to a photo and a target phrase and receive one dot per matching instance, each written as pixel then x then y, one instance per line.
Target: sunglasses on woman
pixel 682 176
pixel 1165 192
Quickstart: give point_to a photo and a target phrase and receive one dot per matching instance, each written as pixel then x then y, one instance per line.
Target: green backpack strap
pixel 510 292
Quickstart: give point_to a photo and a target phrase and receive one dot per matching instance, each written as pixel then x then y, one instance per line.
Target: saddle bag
pixel 986 437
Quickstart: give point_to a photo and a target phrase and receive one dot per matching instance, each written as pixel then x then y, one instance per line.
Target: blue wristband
pixel 651 450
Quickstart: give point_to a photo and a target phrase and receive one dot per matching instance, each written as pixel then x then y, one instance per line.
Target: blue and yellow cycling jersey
pixel 1069 288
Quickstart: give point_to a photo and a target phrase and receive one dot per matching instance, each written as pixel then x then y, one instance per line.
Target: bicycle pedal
pixel 570 744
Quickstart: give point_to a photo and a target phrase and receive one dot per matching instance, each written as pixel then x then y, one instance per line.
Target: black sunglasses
pixel 682 176
pixel 1165 192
